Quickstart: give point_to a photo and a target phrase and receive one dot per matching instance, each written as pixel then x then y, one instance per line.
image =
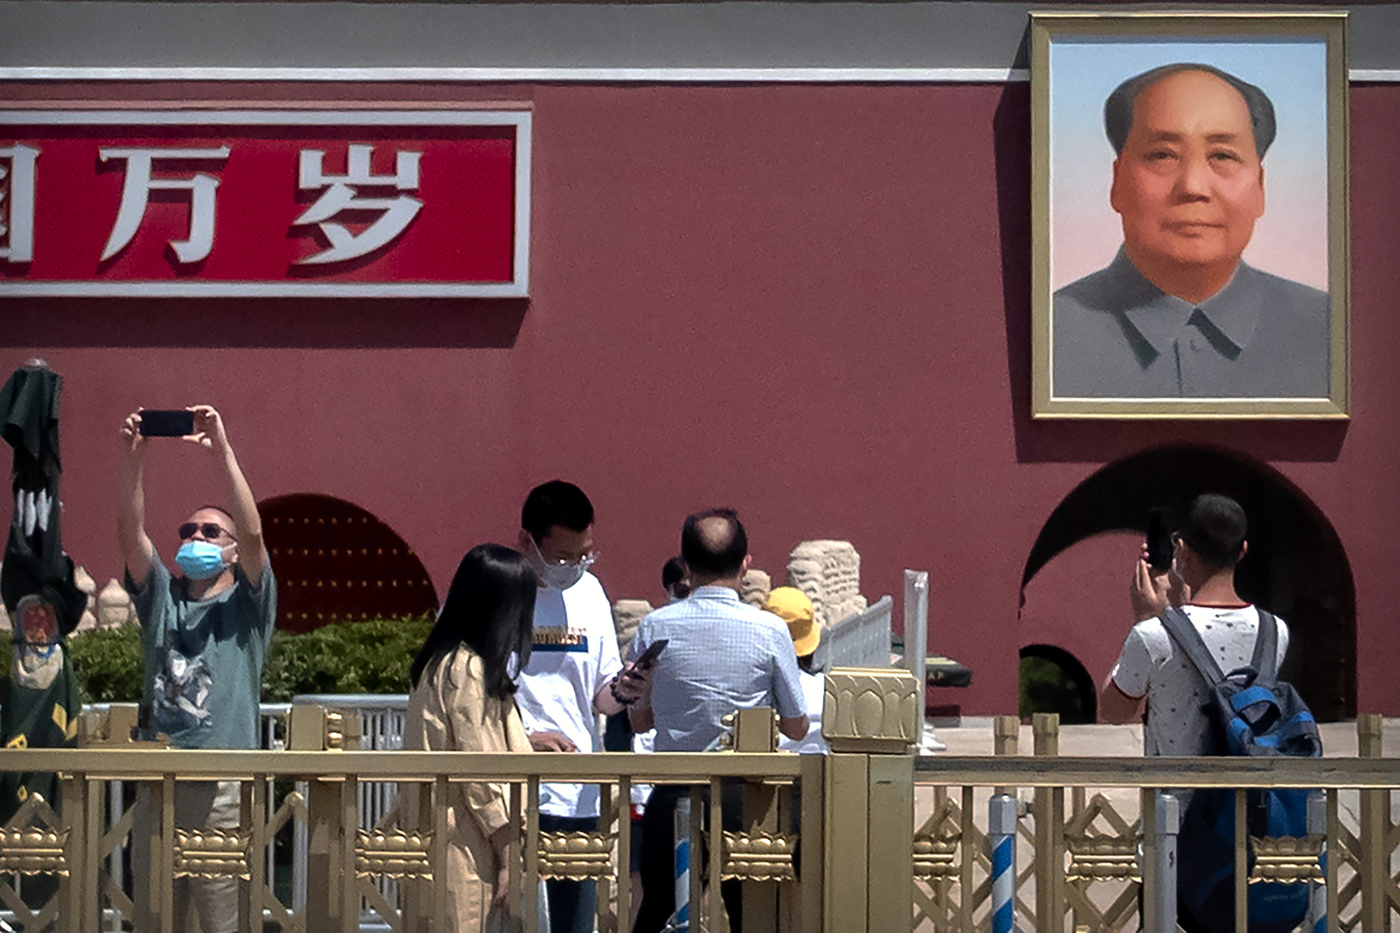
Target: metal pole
pixel 916 622
pixel 300 850
pixel 916 646
pixel 115 793
pixel 1002 828
pixel 1166 823
pixel 680 920
pixel 1317 890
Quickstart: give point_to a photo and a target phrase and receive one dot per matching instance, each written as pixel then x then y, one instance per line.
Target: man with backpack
pixel 1206 663
pixel 1208 544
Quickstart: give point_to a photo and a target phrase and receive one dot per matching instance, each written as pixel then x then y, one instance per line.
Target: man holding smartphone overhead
pixel 204 635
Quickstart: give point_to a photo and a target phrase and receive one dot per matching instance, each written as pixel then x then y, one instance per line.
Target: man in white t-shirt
pixel 572 675
pixel 1206 547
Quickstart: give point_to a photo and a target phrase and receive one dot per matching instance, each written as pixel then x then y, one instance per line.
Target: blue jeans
pixel 573 905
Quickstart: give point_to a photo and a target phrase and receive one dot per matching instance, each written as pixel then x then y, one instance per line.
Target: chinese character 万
pixel 395 213
pixel 17 209
pixel 136 192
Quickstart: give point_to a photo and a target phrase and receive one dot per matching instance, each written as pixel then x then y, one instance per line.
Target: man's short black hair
pixel 555 503
pixel 672 572
pixel 717 550
pixel 232 522
pixel 1215 528
pixel 1118 109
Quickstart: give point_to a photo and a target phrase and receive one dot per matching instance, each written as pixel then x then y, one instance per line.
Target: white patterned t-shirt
pixel 1150 665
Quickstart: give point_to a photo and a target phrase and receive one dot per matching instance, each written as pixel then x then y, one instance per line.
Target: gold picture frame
pixel 1110 340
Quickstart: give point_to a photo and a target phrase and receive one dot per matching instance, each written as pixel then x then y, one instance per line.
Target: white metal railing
pixel 860 640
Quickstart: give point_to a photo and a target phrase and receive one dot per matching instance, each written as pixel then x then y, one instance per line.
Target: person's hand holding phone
pixel 208 429
pixel 632 685
pixel 133 438
pixel 1149 588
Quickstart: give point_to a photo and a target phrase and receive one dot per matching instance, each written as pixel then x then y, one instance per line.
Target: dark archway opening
pixel 1053 681
pixel 1296 566
pixel 336 562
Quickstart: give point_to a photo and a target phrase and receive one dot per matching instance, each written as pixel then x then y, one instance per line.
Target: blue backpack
pixel 1251 713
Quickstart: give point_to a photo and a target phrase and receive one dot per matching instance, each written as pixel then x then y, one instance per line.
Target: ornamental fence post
pixel 1317 889
pixel 1049 833
pixel 1374 859
pixel 871 717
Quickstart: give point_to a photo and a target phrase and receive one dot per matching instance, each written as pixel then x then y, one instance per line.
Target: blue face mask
pixel 200 560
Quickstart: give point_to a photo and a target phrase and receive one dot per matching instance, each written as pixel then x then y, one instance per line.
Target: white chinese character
pixel 17 221
pixel 397 213
pixel 136 192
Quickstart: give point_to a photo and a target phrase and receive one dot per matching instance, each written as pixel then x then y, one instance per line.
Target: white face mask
pixel 562 575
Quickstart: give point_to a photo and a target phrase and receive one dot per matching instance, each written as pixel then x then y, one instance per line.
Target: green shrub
pixel 348 657
pixel 107 663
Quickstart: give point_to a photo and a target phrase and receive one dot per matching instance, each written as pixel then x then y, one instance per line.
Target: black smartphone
pixel 649 656
pixel 157 422
pixel 1159 538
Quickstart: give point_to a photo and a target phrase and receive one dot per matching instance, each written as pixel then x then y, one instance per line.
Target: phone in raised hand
pixel 160 422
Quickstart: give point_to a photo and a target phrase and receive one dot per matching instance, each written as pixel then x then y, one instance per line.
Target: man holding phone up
pixel 204 636
pixel 1199 578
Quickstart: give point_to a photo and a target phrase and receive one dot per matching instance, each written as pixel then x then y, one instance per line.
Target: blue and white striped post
pixel 1002 828
pixel 680 920
pixel 1166 824
pixel 1317 890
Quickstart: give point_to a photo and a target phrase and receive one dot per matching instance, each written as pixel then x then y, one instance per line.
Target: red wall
pixel 808 302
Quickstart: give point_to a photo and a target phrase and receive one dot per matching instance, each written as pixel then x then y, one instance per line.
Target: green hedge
pixel 348 657
pixel 107 663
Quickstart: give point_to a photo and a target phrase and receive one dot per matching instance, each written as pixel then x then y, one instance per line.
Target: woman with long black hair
pixel 464 700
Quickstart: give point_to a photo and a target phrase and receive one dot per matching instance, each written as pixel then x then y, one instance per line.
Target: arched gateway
pixel 336 562
pixel 1296 566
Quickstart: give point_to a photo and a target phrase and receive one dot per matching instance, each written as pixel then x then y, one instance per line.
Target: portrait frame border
pixel 1329 25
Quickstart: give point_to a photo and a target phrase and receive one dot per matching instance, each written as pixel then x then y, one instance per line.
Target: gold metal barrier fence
pixel 1083 857
pixel 74 845
pixel 888 841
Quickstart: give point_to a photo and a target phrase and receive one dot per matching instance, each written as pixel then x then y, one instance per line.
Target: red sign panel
pixel 265 203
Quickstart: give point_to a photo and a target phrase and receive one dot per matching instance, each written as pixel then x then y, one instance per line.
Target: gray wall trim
pixel 725 40
pixel 607 75
pixel 578 75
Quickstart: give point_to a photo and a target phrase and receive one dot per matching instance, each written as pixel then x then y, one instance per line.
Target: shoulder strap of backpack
pixel 1265 660
pixel 1181 631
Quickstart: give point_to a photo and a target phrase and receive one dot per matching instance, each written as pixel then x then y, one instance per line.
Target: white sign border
pixel 517 287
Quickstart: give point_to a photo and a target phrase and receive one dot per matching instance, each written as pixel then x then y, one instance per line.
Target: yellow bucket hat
pixel 792 606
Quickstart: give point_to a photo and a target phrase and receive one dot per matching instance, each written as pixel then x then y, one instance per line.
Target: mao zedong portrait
pixel 1177 313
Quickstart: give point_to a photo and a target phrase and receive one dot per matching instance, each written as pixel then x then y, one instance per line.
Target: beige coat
pixel 450 711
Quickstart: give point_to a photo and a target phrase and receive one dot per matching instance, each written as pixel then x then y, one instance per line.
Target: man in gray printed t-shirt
pixel 204 635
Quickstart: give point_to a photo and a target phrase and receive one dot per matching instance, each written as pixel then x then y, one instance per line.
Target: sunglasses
pixel 208 529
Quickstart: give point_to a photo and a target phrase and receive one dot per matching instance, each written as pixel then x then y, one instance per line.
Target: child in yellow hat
pixel 793 607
